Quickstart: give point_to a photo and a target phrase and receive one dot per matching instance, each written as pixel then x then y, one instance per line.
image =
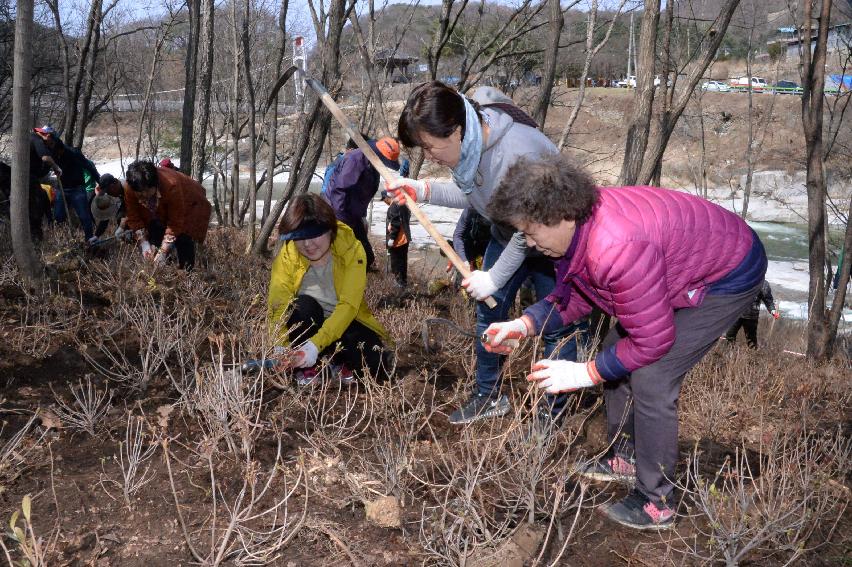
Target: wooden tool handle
pixel 389 175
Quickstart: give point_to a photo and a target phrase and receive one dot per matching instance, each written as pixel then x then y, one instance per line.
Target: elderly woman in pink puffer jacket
pixel 675 270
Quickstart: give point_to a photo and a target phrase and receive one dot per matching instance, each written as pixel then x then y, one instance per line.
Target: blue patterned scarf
pixel 464 173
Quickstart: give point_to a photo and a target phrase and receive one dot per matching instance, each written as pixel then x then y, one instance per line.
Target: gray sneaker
pixel 480 407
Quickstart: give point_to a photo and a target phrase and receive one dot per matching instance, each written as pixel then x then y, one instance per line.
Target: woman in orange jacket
pixel 170 209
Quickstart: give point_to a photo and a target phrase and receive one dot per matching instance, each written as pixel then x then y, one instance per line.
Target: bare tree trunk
pixel 84 115
pixel 314 124
pixel 202 111
pixel 640 124
pixel 365 50
pixel 813 83
pixel 190 82
pixel 272 122
pixel 591 51
pixel 236 127
pixel 149 85
pixel 556 22
pixel 648 164
pixel 750 148
pixel 252 190
pixel 22 244
pixel 840 296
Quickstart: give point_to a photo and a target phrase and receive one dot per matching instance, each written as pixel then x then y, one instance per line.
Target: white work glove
pixel 403 187
pixel 479 285
pixel 390 243
pixel 148 251
pixel 306 356
pixel 558 376
pixel 504 337
pixel 161 258
pixel 776 314
pixel 92 240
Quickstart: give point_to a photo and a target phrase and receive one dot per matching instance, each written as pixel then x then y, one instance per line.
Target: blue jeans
pixel 79 202
pixel 542 272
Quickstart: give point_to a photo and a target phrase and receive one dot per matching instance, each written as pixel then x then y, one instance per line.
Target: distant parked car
pixel 788 87
pixel 715 86
pixel 627 83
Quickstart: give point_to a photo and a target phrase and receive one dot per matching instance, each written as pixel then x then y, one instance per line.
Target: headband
pixel 306 230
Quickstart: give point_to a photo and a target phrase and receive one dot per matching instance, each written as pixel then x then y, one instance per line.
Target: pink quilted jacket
pixel 642 254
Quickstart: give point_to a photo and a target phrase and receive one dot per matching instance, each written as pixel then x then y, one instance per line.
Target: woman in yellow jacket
pixel 319 278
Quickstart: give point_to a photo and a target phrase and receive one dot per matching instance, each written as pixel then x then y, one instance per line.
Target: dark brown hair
pixel 433 108
pixel 547 191
pixel 308 208
pixel 142 174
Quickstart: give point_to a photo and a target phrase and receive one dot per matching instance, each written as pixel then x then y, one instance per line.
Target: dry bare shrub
pixel 87 410
pixel 141 336
pixel 249 526
pixel 226 404
pixel 782 513
pixel 44 316
pixel 402 410
pixel 739 393
pixel 18 452
pixel 334 415
pixel 133 457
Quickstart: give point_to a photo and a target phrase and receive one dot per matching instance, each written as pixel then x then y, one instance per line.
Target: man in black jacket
pixel 748 320
pixel 71 163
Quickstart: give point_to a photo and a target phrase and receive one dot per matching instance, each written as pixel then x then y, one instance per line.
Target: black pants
pixel 184 245
pixel 399 264
pixel 749 327
pixel 361 234
pixel 359 346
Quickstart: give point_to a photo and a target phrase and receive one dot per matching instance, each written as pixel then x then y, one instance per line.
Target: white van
pixel 758 84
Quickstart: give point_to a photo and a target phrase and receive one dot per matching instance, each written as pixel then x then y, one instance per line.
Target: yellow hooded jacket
pixel 350 280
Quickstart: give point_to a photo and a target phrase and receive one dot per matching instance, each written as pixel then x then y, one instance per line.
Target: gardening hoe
pixel 389 176
pixel 433 346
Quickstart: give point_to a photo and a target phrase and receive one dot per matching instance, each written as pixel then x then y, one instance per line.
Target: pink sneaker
pixel 307 376
pixel 345 375
pixel 638 512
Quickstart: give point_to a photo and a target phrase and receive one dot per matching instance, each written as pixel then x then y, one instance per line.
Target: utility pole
pixel 300 60
pixel 630 48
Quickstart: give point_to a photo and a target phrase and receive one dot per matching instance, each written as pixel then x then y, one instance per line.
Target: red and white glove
pixel 503 338
pixel 479 285
pixel 776 314
pixel 558 376
pixel 403 188
pixel 306 356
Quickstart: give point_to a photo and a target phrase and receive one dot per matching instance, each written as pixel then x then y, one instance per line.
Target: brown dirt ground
pixel 69 475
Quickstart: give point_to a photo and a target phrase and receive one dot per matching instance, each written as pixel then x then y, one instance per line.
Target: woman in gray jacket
pixel 479 144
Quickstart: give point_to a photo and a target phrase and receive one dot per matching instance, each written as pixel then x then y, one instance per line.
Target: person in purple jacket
pixel 353 185
pixel 675 270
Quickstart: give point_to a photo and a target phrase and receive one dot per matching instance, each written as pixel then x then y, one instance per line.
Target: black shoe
pixel 637 512
pixel 544 422
pixel 609 469
pixel 480 407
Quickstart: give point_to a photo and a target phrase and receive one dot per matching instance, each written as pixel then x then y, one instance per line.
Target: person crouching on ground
pixel 169 208
pixel 649 257
pixel 320 276
pixel 398 236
